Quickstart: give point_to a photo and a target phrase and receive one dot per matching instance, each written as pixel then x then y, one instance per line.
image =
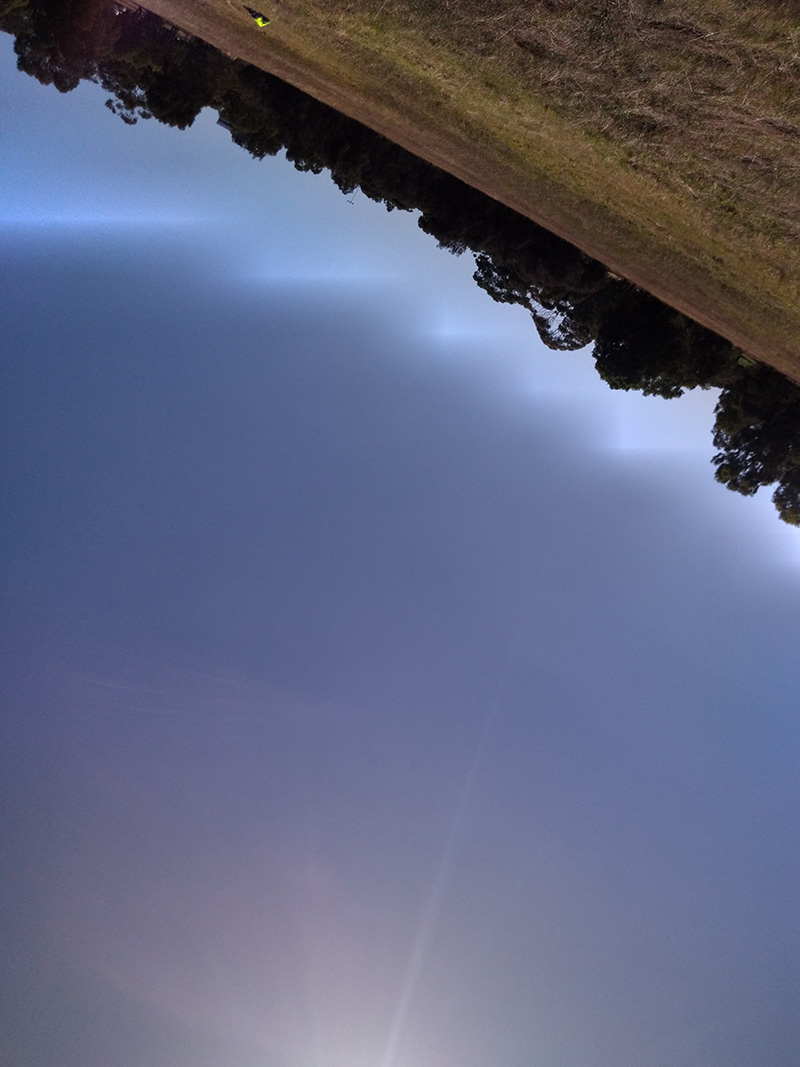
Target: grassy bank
pixel 662 138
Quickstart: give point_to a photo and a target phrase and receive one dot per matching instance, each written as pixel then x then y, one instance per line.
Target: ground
pixel 661 138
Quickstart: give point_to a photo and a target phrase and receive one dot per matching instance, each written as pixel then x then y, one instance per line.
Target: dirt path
pixel 623 236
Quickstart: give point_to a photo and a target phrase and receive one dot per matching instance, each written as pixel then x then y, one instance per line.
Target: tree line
pixel 150 70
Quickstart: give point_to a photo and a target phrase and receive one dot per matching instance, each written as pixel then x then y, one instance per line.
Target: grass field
pixel 660 136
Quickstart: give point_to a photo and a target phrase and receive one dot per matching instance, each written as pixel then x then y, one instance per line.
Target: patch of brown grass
pixel 661 136
pixel 705 94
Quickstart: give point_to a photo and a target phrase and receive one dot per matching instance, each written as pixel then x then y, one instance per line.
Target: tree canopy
pixel 151 71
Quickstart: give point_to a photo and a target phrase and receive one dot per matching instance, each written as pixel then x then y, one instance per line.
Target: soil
pixel 766 330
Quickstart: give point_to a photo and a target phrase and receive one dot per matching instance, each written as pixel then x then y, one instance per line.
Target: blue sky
pixel 381 689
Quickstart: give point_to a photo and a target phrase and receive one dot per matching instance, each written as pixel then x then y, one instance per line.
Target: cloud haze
pixel 274 550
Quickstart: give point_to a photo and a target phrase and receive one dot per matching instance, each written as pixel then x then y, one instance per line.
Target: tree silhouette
pixel 639 343
pixel 756 432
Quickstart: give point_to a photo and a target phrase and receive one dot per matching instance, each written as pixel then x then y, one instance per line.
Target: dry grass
pixel 703 94
pixel 661 136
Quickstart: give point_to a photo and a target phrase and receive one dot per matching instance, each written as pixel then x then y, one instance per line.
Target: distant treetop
pixel 152 70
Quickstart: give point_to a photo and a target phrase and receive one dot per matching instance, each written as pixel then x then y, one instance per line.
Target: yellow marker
pixel 261 20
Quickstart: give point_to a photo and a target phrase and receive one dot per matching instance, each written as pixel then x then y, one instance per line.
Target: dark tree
pixel 757 434
pixel 150 70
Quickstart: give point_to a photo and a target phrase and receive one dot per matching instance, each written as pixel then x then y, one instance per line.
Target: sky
pixel 379 689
